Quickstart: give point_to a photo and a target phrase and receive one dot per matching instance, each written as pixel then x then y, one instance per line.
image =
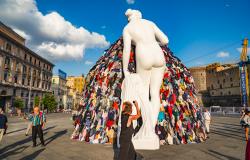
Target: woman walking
pixel 127 151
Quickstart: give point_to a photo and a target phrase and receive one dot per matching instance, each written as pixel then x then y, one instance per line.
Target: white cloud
pixel 130 1
pixel 223 54
pixel 22 33
pixel 50 35
pixel 88 62
pixel 240 50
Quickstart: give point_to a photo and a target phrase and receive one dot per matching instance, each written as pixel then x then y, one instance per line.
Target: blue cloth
pixel 3 121
pixel 161 116
pixel 37 119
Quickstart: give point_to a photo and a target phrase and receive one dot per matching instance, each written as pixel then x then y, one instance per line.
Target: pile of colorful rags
pixel 180 120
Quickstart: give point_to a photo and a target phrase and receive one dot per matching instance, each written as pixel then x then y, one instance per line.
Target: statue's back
pixel 141 31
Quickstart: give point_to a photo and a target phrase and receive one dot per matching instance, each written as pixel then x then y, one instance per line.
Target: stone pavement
pixel 226 143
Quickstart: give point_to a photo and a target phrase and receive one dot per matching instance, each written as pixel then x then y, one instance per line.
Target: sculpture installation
pixel 140 66
pixel 150 68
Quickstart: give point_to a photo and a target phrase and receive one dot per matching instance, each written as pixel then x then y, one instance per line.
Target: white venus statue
pixel 144 85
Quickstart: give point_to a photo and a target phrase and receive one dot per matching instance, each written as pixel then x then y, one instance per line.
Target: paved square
pixel 225 143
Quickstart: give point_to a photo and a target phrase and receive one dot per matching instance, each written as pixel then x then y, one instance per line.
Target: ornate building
pixel 75 86
pixel 218 84
pixel 23 73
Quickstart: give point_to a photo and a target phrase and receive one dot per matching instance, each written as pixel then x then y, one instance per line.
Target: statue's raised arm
pixel 160 36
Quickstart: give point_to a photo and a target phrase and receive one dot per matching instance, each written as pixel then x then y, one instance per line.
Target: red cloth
pixel 109 123
pixel 166 75
pixel 173 99
pixel 110 65
pixel 131 58
pixel 170 112
pixel 248 151
pixel 166 92
pixel 115 105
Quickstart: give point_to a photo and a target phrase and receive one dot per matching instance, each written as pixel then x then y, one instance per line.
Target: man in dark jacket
pixel 3 123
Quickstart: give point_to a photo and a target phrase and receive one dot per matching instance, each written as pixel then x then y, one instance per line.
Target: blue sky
pixel 195 28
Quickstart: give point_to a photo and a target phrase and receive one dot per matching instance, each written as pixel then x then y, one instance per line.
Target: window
pixel 27 94
pixel 221 93
pixel 30 59
pixel 22 94
pixel 8 47
pixel 14 92
pixel 232 84
pixel 224 80
pixel 35 62
pixel 220 86
pixel 5 77
pixel 231 79
pixel 15 78
pixel 28 81
pixel 212 93
pixel 7 60
pixel 218 81
pixel 229 92
pixel 212 86
pixel 23 80
pixel 25 56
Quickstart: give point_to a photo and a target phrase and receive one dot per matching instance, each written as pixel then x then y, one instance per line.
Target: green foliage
pixel 37 101
pixel 18 103
pixel 49 102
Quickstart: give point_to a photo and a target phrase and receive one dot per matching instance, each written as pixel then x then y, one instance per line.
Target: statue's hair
pixel 135 13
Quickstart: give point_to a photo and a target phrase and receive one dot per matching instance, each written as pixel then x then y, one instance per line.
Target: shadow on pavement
pixel 46 129
pixel 220 155
pixel 12 152
pixel 33 155
pixel 57 135
pixel 16 131
pixel 21 142
pixel 238 137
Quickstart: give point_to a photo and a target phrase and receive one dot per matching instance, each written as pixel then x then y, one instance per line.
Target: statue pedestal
pixel 147 143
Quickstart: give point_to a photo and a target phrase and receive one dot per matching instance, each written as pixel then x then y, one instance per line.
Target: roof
pixel 21 45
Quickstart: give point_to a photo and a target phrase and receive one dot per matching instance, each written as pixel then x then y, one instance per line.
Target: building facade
pixel 23 73
pixel 200 79
pixel 59 90
pixel 222 84
pixel 76 82
pixel 75 86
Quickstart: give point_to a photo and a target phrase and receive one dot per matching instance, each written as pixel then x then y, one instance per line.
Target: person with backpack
pixel 3 124
pixel 38 122
pixel 245 122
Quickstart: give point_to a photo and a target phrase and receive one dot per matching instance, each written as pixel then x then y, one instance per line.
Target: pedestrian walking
pixel 245 122
pixel 38 122
pixel 207 117
pixel 3 124
pixel 29 127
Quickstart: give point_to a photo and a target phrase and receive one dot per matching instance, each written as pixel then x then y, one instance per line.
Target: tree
pixel 18 103
pixel 37 101
pixel 49 102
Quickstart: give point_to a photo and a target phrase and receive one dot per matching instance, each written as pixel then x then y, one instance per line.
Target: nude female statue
pixel 150 67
